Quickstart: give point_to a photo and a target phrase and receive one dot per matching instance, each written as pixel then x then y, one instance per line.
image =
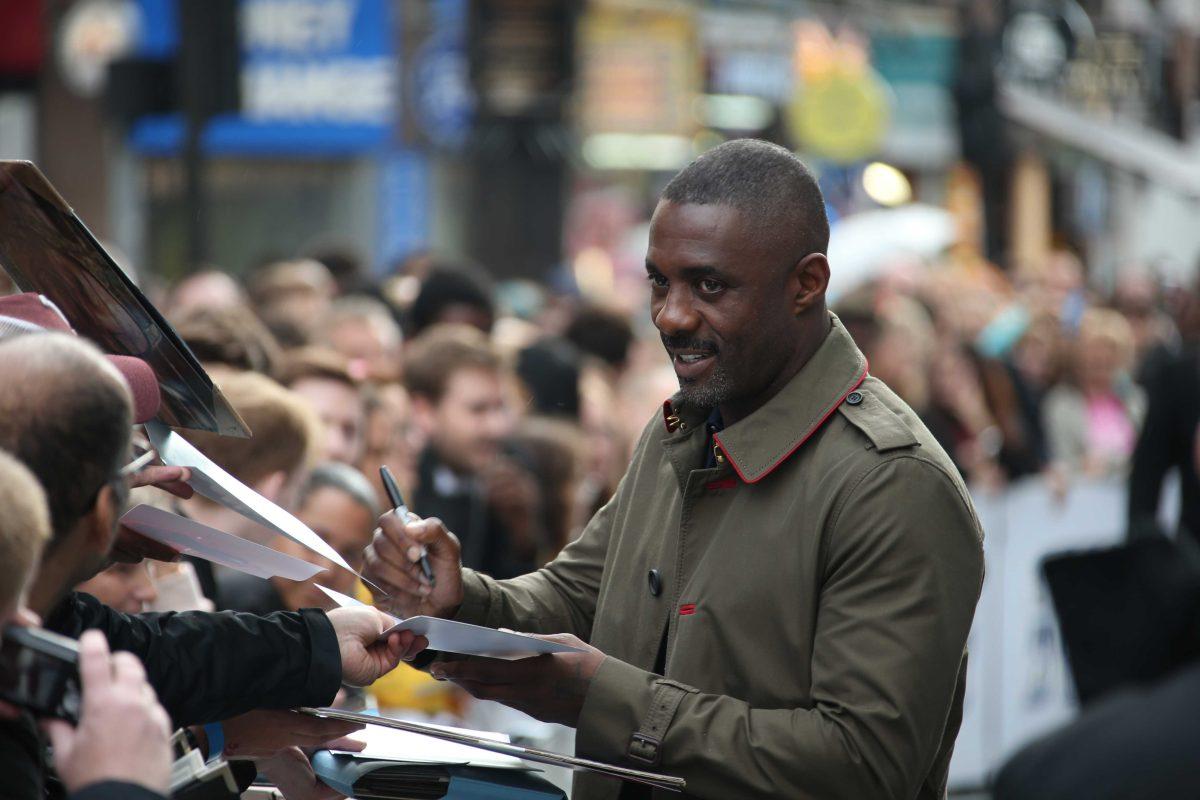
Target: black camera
pixel 39 672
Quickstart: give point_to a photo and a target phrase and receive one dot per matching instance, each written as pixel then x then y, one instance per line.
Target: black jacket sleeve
pixel 208 667
pixel 115 790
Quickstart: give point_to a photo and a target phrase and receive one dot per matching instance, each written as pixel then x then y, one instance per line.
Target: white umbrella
pixel 862 246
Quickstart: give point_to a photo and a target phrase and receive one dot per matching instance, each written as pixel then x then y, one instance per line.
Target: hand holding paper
pixel 449 636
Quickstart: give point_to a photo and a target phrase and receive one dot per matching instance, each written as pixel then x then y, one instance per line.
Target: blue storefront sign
pixel 319 78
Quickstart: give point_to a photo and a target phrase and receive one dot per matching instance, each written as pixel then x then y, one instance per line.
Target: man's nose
pixel 676 314
pixel 145 590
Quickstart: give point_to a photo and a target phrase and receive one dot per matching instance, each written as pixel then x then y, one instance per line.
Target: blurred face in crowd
pixel 371 348
pixel 347 526
pixel 1099 361
pixel 125 587
pixel 723 297
pixel 391 436
pixel 340 408
pixel 468 423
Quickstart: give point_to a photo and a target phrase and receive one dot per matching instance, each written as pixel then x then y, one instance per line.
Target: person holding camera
pixel 121 747
pixel 67 415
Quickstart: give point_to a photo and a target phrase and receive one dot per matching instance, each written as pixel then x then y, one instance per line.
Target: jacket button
pixel 655 582
pixel 854 398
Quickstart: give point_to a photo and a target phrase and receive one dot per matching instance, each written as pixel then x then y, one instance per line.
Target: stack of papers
pixel 404 747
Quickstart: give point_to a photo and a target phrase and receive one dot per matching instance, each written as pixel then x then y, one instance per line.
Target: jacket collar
pixel 757 445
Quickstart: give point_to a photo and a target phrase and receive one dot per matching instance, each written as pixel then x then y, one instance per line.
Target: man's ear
pixel 271 487
pixel 100 524
pixel 810 279
pixel 424 413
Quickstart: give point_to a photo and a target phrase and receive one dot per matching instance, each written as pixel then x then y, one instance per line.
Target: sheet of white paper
pixel 194 539
pixel 465 639
pixel 412 748
pixel 219 486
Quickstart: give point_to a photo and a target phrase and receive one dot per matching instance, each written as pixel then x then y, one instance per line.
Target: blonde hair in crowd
pixel 285 430
pixel 24 530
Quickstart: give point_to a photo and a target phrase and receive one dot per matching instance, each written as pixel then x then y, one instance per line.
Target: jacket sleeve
pixel 902 574
pixel 558 598
pixel 115 790
pixel 207 667
pixel 561 596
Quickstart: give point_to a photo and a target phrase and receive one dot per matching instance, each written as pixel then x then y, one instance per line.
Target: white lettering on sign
pixel 303 27
pixel 348 90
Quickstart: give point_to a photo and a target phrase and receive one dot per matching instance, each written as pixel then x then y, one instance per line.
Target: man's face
pixel 718 296
pixel 471 420
pixel 340 408
pixel 125 587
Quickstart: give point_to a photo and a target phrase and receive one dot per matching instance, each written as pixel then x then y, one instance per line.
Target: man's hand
pixel 123 733
pixel 366 656
pixel 130 546
pixel 292 774
pixel 391 562
pixel 263 733
pixel 550 687
pixel 169 479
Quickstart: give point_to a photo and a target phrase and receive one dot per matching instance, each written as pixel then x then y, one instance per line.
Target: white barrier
pixel 1018 683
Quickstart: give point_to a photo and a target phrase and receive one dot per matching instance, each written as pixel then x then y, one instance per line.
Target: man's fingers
pixel 413 646
pixel 127 669
pixel 95 671
pixel 61 735
pixel 346 743
pixel 501 673
pixel 501 693
pixel 402 574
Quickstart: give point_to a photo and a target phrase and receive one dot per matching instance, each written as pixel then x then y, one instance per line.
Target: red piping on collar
pixel 807 436
pixel 667 412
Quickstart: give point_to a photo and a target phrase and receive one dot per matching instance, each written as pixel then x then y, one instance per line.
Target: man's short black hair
pixel 766 183
pixel 447 285
pixel 603 333
pixel 66 415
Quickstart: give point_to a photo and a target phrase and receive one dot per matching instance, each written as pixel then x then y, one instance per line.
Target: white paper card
pixel 195 539
pixel 219 486
pixel 403 747
pixel 450 636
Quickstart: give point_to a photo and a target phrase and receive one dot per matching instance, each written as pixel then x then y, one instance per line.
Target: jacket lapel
pixel 758 444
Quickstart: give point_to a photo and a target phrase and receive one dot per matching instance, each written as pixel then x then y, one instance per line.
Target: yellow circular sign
pixel 841 115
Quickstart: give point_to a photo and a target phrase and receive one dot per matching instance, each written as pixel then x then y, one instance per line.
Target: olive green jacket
pixel 817 587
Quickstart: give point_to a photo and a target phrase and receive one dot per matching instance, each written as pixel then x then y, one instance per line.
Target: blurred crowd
pixel 1035 372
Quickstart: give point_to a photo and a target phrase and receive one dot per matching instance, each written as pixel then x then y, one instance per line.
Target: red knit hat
pixel 30 312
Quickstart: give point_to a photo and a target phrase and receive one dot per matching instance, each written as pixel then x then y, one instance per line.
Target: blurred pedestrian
pixel 460 400
pixel 321 378
pixel 1092 417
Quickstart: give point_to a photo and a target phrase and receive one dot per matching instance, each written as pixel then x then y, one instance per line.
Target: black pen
pixel 393 492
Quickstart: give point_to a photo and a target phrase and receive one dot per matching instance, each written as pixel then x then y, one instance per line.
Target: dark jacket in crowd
pixel 461 504
pixel 204 667
pixel 1168 441
pixel 1134 745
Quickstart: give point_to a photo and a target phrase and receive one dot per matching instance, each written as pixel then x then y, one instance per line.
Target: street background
pixel 1013 187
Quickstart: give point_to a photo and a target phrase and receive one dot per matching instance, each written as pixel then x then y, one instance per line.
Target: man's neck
pixel 806 348
pixel 54 580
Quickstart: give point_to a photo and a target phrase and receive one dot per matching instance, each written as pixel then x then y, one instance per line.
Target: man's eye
pixel 709 286
pixel 657 280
